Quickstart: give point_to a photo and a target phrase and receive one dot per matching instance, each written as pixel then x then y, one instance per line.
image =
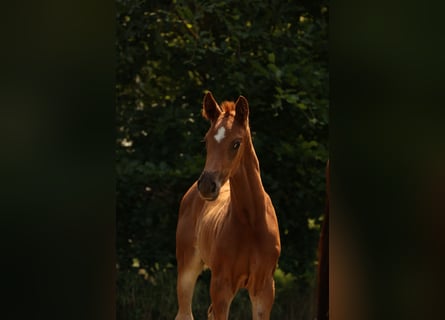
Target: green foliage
pixel 168 55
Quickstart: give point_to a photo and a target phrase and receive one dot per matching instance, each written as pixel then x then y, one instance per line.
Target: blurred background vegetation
pixel 168 53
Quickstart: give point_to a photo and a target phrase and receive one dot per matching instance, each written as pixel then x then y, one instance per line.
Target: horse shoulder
pixel 189 209
pixel 190 202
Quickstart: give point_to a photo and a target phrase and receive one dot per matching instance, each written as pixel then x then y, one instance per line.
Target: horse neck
pixel 246 189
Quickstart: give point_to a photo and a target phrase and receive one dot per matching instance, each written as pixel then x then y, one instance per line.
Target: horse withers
pixel 227 221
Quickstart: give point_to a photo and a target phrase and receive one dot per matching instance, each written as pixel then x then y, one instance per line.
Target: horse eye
pixel 236 145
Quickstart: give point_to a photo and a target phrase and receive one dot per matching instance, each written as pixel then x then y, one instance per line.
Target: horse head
pixel 225 143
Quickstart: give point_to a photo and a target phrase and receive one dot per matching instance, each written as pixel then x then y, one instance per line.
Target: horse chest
pixel 220 237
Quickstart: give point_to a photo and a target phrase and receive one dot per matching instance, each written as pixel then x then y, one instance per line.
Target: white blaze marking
pixel 220 134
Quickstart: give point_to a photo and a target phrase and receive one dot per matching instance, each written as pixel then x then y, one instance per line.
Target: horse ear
pixel 241 110
pixel 210 109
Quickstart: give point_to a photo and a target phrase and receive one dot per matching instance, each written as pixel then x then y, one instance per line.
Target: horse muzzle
pixel 209 185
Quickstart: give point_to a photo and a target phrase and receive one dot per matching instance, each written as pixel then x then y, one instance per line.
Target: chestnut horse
pixel 227 221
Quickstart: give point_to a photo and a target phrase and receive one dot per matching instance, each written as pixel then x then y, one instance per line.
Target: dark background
pixel 58 166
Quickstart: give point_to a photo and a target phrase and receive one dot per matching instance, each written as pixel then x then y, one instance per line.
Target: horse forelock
pixel 228 107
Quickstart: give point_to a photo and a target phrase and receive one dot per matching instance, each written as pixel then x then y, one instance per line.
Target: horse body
pixel 227 221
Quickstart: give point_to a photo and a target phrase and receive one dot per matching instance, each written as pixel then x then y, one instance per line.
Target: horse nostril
pixel 213 187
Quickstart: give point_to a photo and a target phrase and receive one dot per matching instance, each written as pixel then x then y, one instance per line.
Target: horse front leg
pixel 262 300
pixel 188 272
pixel 221 294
